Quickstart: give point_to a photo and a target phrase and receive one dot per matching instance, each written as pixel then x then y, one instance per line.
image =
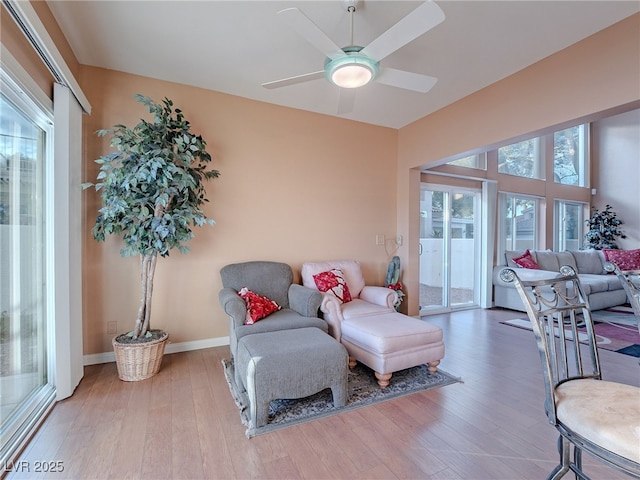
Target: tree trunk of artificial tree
pixel 147 271
pixel 149 291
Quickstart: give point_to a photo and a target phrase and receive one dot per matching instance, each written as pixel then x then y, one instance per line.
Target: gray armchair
pixel 273 280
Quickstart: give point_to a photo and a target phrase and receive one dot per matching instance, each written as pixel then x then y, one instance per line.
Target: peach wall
pixel 617 149
pixel 595 75
pixel 565 86
pixel 294 187
pixel 297 186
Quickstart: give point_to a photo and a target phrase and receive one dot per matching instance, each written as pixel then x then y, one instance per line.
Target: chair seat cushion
pixel 606 413
pixel 390 333
pixel 285 319
pixel 359 308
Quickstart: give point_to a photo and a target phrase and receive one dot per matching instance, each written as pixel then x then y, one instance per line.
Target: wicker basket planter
pixel 139 361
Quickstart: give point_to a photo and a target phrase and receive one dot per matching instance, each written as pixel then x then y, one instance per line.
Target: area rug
pixel 363 391
pixel 616 329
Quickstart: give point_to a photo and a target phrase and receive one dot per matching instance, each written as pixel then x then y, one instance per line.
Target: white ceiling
pixel 234 46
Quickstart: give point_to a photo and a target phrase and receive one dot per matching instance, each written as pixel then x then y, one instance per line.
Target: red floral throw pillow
pixel 625 259
pixel 526 261
pixel 333 282
pixel 258 306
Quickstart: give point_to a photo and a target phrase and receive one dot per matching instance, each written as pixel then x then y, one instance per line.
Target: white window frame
pixel 584 155
pixel 538 233
pixel 475 162
pixel 559 242
pixel 20 89
pixel 539 163
pixel 63 264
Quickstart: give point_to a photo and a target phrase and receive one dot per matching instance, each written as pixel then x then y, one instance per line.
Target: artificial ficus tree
pixel 604 229
pixel 152 190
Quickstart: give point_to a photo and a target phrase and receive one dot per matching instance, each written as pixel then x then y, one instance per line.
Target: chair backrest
pixel 271 279
pixel 630 280
pixel 350 268
pixel 559 312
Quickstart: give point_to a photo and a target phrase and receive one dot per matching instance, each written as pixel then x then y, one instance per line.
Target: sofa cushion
pixel 599 283
pixel 333 282
pixel 587 281
pixel 625 259
pixel 548 260
pixel 588 261
pixel 526 261
pixel 565 258
pixel 613 282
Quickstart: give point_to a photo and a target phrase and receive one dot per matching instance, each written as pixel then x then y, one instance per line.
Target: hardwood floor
pixel 183 423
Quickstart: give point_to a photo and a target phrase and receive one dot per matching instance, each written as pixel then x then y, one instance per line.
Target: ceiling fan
pixel 354 66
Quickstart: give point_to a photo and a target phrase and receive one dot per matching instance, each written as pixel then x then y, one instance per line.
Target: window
pixel 570 157
pixel 478 161
pixel 523 159
pixel 519 221
pixel 25 316
pixel 570 165
pixel 568 225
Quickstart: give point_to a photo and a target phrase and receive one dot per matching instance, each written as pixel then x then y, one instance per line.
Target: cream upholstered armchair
pixel 366 300
pixel 365 321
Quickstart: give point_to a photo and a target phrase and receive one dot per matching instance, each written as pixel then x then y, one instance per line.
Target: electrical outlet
pixel 399 240
pixel 379 239
pixel 112 328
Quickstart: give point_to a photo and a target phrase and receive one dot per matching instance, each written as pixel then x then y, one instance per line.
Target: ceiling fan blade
pixel 308 30
pixel 407 80
pixel 307 77
pixel 418 22
pixel 346 100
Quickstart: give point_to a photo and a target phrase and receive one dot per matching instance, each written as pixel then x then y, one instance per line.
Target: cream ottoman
pixel 389 342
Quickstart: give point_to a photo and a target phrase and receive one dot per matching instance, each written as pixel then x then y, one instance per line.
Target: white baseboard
pixel 108 357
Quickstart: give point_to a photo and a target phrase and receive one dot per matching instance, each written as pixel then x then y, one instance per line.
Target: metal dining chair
pixel 630 280
pixel 592 415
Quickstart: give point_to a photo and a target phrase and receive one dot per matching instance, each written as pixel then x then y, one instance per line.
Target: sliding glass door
pixel 449 248
pixel 25 384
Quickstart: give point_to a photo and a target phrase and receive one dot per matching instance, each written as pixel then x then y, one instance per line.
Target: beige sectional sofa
pixel 604 290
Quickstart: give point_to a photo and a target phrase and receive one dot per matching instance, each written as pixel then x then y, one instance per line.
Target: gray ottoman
pixel 290 364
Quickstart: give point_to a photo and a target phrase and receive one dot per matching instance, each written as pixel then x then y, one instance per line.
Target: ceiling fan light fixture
pixel 351 70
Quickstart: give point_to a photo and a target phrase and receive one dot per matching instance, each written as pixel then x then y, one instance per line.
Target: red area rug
pixel 616 328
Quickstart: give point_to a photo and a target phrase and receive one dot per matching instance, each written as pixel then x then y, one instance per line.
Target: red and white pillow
pixel 526 261
pixel 333 282
pixel 625 259
pixel 258 306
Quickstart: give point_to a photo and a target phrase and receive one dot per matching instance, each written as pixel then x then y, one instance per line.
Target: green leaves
pixel 151 186
pixel 604 229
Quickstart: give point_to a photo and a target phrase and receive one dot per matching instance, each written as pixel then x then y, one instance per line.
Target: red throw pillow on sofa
pixel 625 259
pixel 526 261
pixel 258 306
